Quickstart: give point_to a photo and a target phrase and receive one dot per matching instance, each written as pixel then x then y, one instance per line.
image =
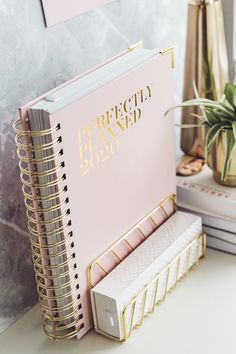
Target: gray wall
pixel 34 59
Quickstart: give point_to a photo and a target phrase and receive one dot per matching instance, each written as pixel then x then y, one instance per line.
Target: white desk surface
pixel 199 316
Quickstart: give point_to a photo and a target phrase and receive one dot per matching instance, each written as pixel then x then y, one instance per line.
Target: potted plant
pixel 219 117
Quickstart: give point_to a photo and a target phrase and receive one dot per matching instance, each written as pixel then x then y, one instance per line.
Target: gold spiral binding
pixel 63 327
pixel 47 245
pixel 66 336
pixel 43 293
pixel 32 133
pixel 29 195
pixel 62 318
pixel 30 207
pixel 25 171
pixel 43 286
pixel 51 246
pixel 50 228
pixel 38 266
pixel 56 309
pixel 56 254
pixel 62 275
pixel 39 271
pixel 48 256
pixel 34 160
pixel 61 309
pixel 47 222
pixel 50 184
pixel 35 147
pixel 59 230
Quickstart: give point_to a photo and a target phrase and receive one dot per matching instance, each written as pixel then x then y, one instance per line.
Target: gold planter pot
pixel 206 64
pixel 216 159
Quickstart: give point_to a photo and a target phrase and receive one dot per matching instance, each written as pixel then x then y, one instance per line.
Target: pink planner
pixel 91 168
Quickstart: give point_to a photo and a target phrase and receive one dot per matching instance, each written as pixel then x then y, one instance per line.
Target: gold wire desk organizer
pixel 166 208
pixel 132 315
pixel 129 310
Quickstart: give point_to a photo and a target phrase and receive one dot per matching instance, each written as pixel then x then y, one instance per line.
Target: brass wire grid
pixel 126 240
pixel 155 292
pixel 133 314
pixel 47 209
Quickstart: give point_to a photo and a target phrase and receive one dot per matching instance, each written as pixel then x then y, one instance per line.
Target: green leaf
pixel 196 116
pixel 230 93
pixel 229 110
pixel 221 112
pixel 231 143
pixel 226 102
pixel 234 129
pixel 212 136
pixel 212 117
pixel 195 90
pixel 204 102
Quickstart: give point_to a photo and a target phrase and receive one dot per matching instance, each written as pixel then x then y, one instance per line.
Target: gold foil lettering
pixel 100 139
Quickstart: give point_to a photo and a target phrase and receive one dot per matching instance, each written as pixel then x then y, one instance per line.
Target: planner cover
pixel 117 162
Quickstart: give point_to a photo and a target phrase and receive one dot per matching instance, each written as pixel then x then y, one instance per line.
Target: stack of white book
pixel 216 204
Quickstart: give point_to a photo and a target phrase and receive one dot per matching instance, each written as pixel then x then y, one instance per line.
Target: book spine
pixel 47 208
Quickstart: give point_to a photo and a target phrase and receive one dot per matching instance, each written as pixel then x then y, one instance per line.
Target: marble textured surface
pixel 34 59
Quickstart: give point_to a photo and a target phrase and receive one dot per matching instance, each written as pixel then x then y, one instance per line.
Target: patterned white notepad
pixel 118 288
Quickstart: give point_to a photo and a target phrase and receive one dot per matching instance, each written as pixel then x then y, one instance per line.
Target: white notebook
pixel 117 289
pixel 202 194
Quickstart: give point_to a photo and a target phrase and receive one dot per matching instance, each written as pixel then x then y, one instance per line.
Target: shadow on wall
pixel 17 285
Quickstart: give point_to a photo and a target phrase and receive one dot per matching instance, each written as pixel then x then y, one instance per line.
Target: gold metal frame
pixel 125 239
pixel 170 50
pixel 200 241
pixel 136 46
